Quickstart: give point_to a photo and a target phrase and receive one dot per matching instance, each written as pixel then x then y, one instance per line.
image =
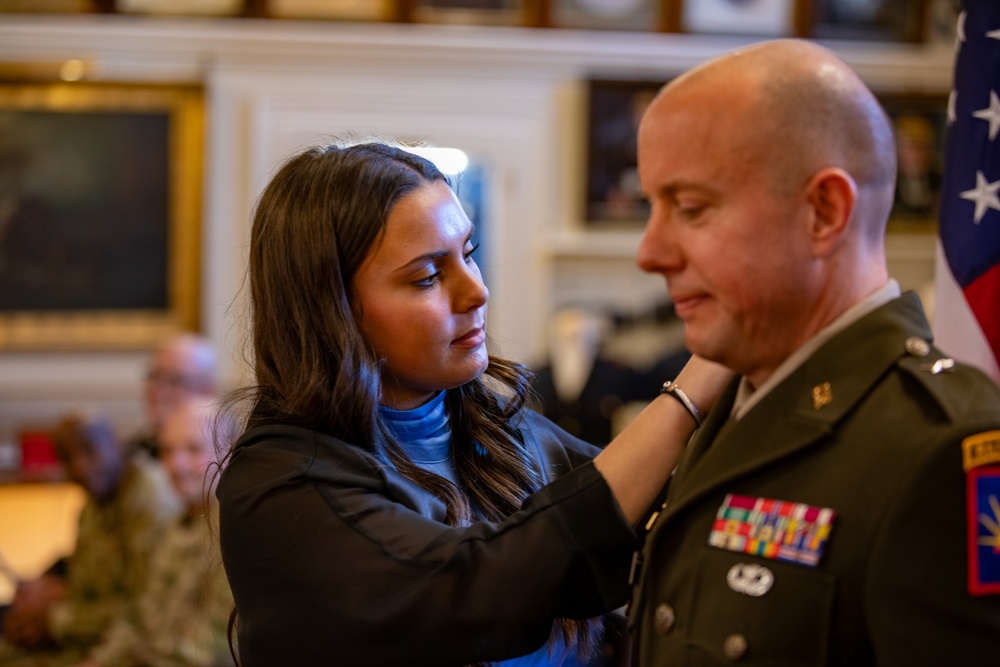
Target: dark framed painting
pixel 100 203
pixel 873 20
pixel 614 109
pixel 920 123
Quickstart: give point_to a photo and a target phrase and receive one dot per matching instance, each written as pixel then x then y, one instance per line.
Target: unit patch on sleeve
pixel 980 459
pixel 984 530
pixel 793 532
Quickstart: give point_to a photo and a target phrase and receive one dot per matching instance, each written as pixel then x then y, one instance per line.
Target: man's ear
pixel 832 194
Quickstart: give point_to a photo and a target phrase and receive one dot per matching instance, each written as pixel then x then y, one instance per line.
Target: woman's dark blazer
pixel 335 558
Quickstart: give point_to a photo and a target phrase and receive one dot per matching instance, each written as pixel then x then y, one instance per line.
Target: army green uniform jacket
pixel 835 523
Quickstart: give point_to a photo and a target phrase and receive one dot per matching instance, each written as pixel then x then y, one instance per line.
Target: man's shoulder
pixel 960 391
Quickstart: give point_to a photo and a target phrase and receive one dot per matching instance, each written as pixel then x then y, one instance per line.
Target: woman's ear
pixel 832 194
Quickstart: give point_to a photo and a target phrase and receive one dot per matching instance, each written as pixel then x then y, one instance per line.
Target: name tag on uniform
pixel 778 529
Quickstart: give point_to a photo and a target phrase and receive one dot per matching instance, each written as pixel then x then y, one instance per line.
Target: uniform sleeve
pixel 121 643
pixel 917 596
pixel 110 565
pixel 148 512
pixel 196 637
pixel 180 620
pixel 340 572
pixel 89 606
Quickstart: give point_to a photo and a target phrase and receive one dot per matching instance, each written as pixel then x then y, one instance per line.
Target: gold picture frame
pixel 100 214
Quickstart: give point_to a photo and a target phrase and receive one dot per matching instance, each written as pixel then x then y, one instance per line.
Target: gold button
pixel 663 619
pixel 735 646
pixel 917 347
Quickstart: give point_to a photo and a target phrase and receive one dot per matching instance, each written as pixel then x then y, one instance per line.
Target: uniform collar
pixel 747 397
pixel 804 408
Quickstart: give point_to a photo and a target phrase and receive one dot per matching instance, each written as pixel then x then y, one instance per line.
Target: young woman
pixel 392 502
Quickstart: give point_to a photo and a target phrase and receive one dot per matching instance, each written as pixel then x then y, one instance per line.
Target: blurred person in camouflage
pixel 54 620
pixel 180 618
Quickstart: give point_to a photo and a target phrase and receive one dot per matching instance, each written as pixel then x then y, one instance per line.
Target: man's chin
pixel 707 349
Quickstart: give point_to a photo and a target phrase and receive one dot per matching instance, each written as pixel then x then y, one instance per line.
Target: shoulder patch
pixel 983 486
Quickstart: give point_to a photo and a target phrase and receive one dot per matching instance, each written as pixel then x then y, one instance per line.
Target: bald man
pixel 183 368
pixel 831 508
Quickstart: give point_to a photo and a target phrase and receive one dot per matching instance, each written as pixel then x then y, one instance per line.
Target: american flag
pixel 970 205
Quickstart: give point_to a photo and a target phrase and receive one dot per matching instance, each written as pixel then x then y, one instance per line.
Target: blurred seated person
pixel 184 367
pixel 180 618
pixel 55 619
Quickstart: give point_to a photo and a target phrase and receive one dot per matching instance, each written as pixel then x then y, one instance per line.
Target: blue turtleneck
pixel 424 433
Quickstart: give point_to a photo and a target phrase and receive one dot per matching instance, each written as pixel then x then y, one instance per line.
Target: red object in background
pixel 38 455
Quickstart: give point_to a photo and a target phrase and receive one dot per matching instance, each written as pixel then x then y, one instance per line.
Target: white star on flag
pixel 984 194
pixel 991 114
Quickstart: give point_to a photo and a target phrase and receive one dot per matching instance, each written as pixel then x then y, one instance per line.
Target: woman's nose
pixel 474 293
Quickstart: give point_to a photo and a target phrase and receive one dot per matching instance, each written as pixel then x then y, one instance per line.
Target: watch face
pixel 610 7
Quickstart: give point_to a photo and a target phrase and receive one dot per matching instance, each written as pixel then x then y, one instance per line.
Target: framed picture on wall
pixel 614 109
pixel 642 15
pixel 490 12
pixel 742 17
pixel 335 10
pixel 879 20
pixel 180 7
pixel 920 122
pixel 100 201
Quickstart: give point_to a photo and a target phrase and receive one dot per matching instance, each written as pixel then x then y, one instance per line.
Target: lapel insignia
pixel 980 458
pixel 822 395
pixel 777 529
